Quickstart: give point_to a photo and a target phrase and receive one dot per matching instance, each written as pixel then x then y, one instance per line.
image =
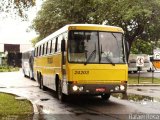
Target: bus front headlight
pixel 80 88
pixel 122 87
pixel 75 88
pixel 117 88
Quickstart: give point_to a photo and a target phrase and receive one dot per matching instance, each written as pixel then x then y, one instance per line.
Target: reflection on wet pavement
pixel 141 99
pixel 47 113
pixel 138 98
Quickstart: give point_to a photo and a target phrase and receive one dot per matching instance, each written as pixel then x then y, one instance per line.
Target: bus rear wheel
pixel 41 83
pixel 39 79
pixel 105 96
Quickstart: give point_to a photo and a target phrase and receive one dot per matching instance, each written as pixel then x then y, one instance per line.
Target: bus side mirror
pixel 126 50
pixel 127 46
pixel 63 45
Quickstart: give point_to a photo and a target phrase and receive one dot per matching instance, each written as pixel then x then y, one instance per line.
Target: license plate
pixel 100 89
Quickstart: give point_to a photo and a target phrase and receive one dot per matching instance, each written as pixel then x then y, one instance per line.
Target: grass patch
pixel 143 80
pixel 9 106
pixel 8 69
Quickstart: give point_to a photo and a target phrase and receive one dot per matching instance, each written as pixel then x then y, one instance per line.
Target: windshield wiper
pixel 90 56
pixel 108 59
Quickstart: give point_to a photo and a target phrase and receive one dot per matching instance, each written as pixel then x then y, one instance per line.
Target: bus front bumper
pixel 96 89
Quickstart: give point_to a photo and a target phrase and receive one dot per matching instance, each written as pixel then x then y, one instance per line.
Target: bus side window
pixel 49 46
pixel 46 47
pixel 56 44
pixel 43 49
pixel 59 43
pixel 40 50
pixel 53 45
pixel 65 37
pixel 37 52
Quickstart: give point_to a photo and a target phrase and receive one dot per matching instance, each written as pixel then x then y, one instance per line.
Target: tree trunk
pixel 129 41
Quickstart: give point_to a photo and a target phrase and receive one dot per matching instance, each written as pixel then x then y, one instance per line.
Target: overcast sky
pixel 14 31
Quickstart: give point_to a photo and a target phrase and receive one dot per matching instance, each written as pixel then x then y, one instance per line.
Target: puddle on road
pixel 148 91
pixel 138 89
pixel 157 90
pixel 141 99
pixel 44 99
pixel 3 87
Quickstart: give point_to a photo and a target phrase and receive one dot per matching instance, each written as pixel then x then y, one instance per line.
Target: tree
pixel 141 46
pixel 55 14
pixel 136 17
pixel 16 7
pixel 35 40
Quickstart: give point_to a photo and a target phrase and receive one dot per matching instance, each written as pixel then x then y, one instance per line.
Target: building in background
pixel 14 52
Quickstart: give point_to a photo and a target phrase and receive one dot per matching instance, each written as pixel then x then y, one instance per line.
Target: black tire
pixel 150 70
pixel 29 76
pixel 134 71
pixel 39 79
pixel 41 83
pixel 24 74
pixel 60 95
pixel 32 78
pixel 105 96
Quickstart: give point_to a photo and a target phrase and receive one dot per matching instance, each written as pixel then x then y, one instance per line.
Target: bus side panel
pixel 52 68
pixel 49 66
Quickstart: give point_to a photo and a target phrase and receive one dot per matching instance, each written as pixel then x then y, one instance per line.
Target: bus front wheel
pixel 105 96
pixel 61 96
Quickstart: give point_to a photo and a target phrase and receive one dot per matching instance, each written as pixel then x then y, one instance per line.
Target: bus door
pixel 64 82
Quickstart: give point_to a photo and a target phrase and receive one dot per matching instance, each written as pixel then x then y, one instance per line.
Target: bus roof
pixel 95 27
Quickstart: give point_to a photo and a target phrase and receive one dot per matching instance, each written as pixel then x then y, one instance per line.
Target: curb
pixel 35 109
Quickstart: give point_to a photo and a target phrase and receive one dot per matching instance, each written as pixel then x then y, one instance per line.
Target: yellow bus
pixel 82 59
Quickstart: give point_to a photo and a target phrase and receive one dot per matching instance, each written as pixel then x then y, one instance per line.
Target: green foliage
pixel 55 14
pixel 35 40
pixel 143 80
pixel 144 47
pixel 141 46
pixel 134 16
pixel 10 106
pixel 16 8
pixel 7 68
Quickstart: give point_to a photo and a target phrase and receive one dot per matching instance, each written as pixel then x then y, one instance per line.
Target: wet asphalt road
pixel 141 100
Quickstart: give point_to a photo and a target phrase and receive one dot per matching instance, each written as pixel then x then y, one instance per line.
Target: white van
pixel 132 63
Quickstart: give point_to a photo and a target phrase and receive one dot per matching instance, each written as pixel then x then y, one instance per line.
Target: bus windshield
pixel 95 47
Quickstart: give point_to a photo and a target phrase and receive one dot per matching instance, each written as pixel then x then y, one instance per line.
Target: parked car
pixel 132 63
